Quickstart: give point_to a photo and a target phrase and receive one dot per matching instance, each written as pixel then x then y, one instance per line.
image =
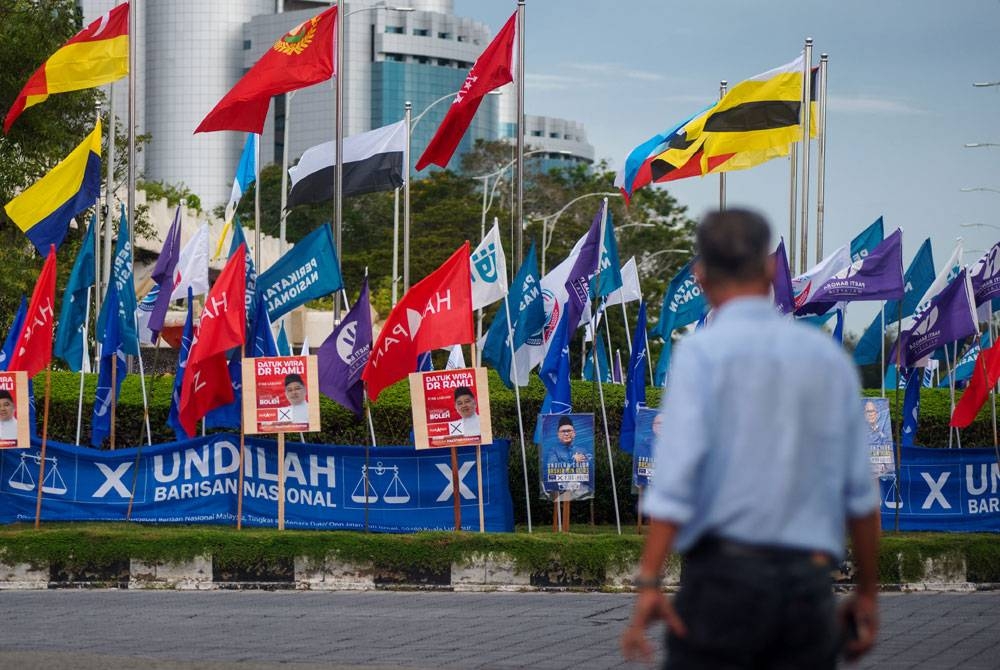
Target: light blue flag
pixel 309 270
pixel 916 281
pixel 68 344
pixel 609 268
pixel 173 419
pixel 284 349
pixel 967 363
pixel 528 312
pixel 635 385
pixel 868 239
pixel 261 341
pixel 555 370
pixel 246 173
pixel 16 325
pixel 112 346
pixel 683 303
pixel 251 271
pixel 124 281
pixel 602 362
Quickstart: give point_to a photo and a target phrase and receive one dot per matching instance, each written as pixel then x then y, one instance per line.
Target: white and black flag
pixel 373 161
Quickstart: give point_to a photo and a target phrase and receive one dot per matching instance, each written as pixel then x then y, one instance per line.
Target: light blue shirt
pixel 764 441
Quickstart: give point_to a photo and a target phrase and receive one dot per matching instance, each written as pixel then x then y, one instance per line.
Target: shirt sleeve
pixel 681 446
pixel 861 491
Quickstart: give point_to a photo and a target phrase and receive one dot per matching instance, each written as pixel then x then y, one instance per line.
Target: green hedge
pixel 391 416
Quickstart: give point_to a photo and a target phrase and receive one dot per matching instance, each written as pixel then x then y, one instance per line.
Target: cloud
pixel 862 104
pixel 617 71
pixel 554 82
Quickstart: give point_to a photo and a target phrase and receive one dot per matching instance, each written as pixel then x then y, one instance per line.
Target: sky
pixel 901 101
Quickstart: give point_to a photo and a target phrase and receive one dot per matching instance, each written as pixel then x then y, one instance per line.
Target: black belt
pixel 714 545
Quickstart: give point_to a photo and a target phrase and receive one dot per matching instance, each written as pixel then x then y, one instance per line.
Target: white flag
pixel 630 291
pixel 456 358
pixel 305 346
pixel 489 270
pixel 192 266
pixel 806 284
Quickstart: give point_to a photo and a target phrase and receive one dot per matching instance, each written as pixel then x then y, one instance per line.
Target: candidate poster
pixel 648 423
pixel 280 394
pixel 567 456
pixel 451 408
pixel 14 423
pixel 879 436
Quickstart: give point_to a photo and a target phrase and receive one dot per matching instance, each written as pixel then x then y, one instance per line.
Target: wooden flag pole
pixel 45 439
pixel 454 488
pixel 281 481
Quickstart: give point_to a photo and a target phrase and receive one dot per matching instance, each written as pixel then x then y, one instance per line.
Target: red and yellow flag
pixel 96 55
pixel 301 57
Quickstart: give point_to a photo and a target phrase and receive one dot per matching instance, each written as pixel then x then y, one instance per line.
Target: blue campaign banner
pixel 196 481
pixel 309 270
pixel 955 490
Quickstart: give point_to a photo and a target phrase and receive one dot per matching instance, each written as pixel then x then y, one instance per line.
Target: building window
pixel 246 45
pixel 397 58
pixel 444 62
pixel 423 60
pixel 444 36
pixel 420 32
pixel 536 133
pixel 394 30
pixel 554 136
pixel 462 38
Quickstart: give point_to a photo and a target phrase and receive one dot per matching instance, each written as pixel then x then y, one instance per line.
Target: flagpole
pixel 45 439
pixel 407 113
pixel 793 192
pixel 145 403
pixel 239 486
pixel 395 243
pixel 723 86
pixel 517 400
pixel 899 451
pixel 519 219
pixel 821 158
pixel 256 208
pixel 600 385
pixel 882 366
pixel 86 326
pixel 132 118
pixel 112 396
pixel 371 427
pixel 628 335
pixel 338 185
pixel 103 259
pixel 806 126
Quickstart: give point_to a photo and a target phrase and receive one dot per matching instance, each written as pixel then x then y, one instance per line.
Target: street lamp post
pixel 547 240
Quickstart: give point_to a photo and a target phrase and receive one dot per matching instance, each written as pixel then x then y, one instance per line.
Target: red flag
pixel 33 350
pixel 984 377
pixel 493 69
pixel 301 57
pixel 435 313
pixel 223 326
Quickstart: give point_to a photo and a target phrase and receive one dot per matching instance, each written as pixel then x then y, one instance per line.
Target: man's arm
pixel 652 604
pixel 862 606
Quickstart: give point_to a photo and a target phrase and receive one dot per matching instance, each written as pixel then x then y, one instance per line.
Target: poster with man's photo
pixel 567 456
pixel 451 408
pixel 280 394
pixel 879 436
pixel 14 424
pixel 648 423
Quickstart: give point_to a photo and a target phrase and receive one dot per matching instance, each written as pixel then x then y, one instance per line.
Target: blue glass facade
pixel 394 83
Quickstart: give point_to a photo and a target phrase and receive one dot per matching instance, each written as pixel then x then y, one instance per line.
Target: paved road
pixel 225 630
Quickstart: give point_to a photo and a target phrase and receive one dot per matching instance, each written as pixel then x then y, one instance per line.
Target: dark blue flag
pixel 15 332
pixel 527 311
pixel 602 362
pixel 173 420
pixel 911 407
pixel 68 344
pixel 124 280
pixel 635 386
pixel 555 370
pixel 112 347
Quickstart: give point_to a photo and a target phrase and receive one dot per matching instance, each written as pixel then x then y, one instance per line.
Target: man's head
pixel 295 389
pixel 871 414
pixel 465 402
pixel 6 405
pixel 566 432
pixel 733 249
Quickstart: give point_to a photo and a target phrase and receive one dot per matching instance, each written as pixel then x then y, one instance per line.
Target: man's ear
pixel 698 270
pixel 769 268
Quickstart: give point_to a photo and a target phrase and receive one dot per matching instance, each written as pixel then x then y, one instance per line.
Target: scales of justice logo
pixel 21 479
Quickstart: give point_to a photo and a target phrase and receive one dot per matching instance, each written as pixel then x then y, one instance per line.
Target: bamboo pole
pixel 45 439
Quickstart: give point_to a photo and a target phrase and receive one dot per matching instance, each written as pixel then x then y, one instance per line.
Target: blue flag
pixel 173 419
pixel 284 349
pixel 555 370
pixel 343 355
pixel 68 344
pixel 916 281
pixel 781 283
pixel 124 281
pixel 867 240
pixel 967 363
pixel 527 310
pixel 163 274
pixel 635 386
pixel 911 408
pixel 424 362
pixel 261 341
pixel 662 365
pixel 610 268
pixel 602 362
pixel 230 415
pixel 251 271
pixel 683 303
pixel 15 332
pixel 112 347
pixel 308 271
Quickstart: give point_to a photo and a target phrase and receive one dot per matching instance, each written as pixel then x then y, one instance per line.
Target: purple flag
pixel 163 274
pixel 877 276
pixel 985 275
pixel 344 354
pixel 950 316
pixel 578 281
pixel 781 283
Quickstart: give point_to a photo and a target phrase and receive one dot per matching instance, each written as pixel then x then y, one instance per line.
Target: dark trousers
pixel 747 607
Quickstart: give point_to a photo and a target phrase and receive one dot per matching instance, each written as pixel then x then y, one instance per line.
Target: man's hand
pixel 652 605
pixel 579 457
pixel 863 610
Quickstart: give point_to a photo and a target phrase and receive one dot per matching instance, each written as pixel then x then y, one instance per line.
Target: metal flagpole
pixel 821 158
pixel 951 393
pixel 517 400
pixel 408 112
pixel 104 266
pixel 86 326
pixel 519 219
pixel 793 192
pixel 628 335
pixel 132 21
pixel 882 366
pixel 723 86
pixel 806 125
pixel 338 186
pixel 395 243
pixel 256 210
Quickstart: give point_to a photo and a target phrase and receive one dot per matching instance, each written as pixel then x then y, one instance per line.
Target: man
pixel 763 467
pixel 465 405
pixel 8 422
pixel 298 408
pixel 877 433
pixel 564 453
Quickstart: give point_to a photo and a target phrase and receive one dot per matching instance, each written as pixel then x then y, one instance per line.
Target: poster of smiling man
pixel 879 435
pixel 648 425
pixel 567 456
pixel 14 433
pixel 280 394
pixel 451 408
